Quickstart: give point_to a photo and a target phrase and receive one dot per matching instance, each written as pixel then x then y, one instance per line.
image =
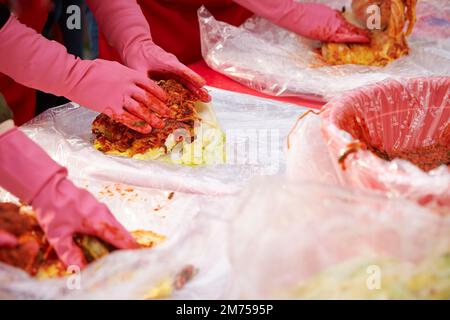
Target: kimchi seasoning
pixel 33 253
pixel 427 157
pixel 114 136
pixel 385 45
pixel 33 249
pixel 184 276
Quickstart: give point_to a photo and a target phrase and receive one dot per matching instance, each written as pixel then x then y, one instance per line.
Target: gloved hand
pixel 7 240
pixel 312 20
pixel 61 208
pixel 125 27
pixel 126 95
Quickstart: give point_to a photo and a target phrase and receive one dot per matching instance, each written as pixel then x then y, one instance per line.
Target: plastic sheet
pixel 272 60
pixel 393 117
pixel 255 130
pixel 137 192
pixel 284 233
pixel 195 236
pixel 307 156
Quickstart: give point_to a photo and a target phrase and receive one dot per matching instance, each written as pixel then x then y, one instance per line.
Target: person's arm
pixel 123 94
pixel 312 20
pixel 62 209
pixel 7 240
pixel 126 29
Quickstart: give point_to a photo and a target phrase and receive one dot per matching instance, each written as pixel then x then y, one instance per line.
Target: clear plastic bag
pixel 411 116
pixel 307 157
pixel 275 61
pixel 285 233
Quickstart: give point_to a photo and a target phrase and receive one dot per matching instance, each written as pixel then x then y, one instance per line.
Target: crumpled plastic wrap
pixel 275 61
pixel 195 229
pixel 286 232
pixel 138 193
pixel 392 116
pixel 307 157
pixel 255 131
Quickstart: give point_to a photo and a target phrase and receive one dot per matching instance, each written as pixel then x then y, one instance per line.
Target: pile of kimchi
pixel 387 43
pixel 112 136
pixel 34 254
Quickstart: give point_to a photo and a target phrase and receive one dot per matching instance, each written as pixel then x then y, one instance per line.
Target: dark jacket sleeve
pixel 4 14
pixel 5 112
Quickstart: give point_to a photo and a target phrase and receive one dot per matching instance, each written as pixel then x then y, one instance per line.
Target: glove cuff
pixel 25 168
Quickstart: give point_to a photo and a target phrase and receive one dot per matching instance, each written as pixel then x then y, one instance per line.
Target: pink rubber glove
pixel 7 240
pixel 61 208
pixel 127 30
pixel 312 20
pixel 123 94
